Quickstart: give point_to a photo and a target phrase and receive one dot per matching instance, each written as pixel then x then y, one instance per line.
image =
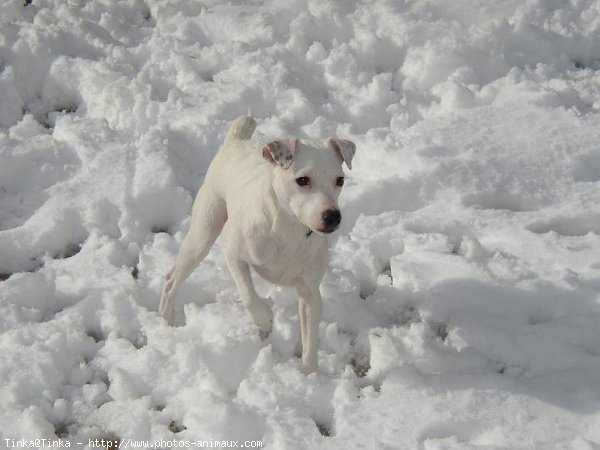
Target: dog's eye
pixel 303 181
pixel 339 181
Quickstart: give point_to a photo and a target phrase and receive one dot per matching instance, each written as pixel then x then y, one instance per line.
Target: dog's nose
pixel 331 219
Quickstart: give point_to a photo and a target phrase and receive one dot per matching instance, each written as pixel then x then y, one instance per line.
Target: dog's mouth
pixel 310 231
pixel 325 231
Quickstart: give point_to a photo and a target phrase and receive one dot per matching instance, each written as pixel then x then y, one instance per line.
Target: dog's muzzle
pixel 331 220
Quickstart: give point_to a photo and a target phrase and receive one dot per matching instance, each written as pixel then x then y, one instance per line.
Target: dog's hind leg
pixel 209 214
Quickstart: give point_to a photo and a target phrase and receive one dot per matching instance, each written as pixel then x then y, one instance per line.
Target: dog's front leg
pixel 257 307
pixel 310 316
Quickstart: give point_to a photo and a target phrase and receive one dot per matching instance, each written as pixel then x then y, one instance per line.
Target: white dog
pixel 275 204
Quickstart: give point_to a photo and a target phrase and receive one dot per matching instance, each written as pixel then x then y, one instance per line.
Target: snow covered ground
pixel 462 306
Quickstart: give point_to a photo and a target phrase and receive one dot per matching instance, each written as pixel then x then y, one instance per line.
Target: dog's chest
pixel 284 258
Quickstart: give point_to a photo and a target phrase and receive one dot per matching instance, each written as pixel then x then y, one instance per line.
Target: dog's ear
pixel 345 149
pixel 280 152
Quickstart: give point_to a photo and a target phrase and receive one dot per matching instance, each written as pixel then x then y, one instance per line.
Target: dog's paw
pixel 166 311
pixel 307 369
pixel 261 314
pixel 310 363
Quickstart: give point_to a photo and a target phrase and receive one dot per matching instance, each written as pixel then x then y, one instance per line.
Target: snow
pixel 462 303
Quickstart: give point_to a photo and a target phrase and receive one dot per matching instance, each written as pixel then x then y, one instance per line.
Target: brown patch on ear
pixel 267 155
pixel 280 152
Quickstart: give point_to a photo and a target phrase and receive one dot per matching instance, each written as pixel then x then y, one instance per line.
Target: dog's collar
pixel 308 233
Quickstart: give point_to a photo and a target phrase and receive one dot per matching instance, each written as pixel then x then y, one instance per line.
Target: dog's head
pixel 308 178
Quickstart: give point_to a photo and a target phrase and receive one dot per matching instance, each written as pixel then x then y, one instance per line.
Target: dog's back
pixel 238 165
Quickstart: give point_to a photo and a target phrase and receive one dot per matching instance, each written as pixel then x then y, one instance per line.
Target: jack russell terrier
pixel 275 205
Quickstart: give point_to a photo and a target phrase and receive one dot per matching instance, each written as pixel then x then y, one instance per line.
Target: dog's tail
pixel 242 128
